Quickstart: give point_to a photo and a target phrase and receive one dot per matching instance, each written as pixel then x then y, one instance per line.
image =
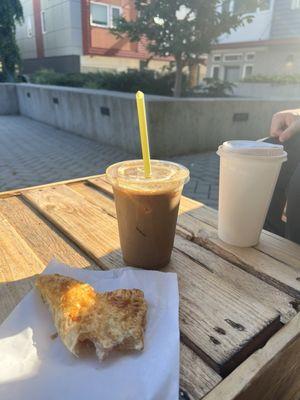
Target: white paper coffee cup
pixel 248 174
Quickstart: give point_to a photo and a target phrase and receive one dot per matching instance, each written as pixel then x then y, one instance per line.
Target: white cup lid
pixel 252 148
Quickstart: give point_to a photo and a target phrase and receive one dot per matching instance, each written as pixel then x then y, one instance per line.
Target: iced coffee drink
pixel 147 209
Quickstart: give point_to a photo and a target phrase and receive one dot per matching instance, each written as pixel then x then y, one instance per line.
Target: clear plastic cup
pixel 147 209
pixel 248 175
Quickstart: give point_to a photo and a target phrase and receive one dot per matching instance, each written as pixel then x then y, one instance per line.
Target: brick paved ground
pixel 32 153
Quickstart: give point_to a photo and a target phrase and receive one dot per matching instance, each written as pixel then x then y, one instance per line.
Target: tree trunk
pixel 193 75
pixel 178 78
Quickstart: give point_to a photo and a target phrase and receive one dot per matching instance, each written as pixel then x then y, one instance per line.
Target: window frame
pixel 212 71
pixel 233 54
pixel 257 10
pixel 43 22
pixel 244 69
pixel 107 14
pixel 217 55
pixel 250 53
pixel 111 7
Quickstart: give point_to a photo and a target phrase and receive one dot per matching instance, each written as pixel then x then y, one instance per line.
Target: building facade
pixel 73 36
pixel 269 45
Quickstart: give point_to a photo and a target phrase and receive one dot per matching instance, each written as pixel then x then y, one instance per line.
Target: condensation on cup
pixel 248 174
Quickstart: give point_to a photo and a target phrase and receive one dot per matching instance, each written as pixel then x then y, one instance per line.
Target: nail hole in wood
pixel 214 340
pixel 235 325
pixel 219 330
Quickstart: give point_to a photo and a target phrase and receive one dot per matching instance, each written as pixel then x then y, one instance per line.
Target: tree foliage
pixel 183 29
pixel 11 12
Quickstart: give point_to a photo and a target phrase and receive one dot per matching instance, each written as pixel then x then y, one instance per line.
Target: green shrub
pixel 279 79
pixel 148 81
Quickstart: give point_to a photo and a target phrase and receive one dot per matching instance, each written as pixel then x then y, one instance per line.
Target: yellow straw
pixel 140 102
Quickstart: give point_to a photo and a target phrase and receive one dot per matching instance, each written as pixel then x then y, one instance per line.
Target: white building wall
pixel 63 33
pixel 258 29
pixel 25 33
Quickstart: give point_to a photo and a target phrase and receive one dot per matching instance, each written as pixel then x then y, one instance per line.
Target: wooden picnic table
pixel 239 321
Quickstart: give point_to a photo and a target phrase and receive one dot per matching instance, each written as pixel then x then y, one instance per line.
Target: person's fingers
pixel 277 125
pixel 288 133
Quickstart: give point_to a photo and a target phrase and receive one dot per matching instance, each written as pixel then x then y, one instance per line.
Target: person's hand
pixel 285 124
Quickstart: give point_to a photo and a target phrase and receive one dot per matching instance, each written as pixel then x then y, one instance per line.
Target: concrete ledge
pixel 268 90
pixel 8 99
pixel 176 126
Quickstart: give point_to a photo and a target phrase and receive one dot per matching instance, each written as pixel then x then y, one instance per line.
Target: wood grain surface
pixel 207 302
pixel 232 299
pixel 28 242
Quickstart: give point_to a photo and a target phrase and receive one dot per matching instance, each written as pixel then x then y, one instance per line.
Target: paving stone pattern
pixel 33 153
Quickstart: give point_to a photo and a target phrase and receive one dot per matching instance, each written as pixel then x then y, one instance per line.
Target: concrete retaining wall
pixel 105 116
pixel 8 99
pixel 176 126
pixel 188 125
pixel 268 90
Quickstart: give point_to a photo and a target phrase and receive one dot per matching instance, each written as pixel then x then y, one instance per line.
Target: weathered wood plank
pixel 196 378
pixel 16 192
pixel 102 184
pixel 276 273
pixel 94 231
pixel 271 373
pixel 265 293
pixel 273 245
pixel 43 238
pixel 209 306
pixel 103 202
pixel 221 323
pixel 280 248
pixel 18 264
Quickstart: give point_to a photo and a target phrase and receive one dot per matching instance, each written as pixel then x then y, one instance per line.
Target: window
pixel 232 74
pixel 217 58
pixel 104 15
pixel 244 6
pixel 250 6
pixel 29 27
pixel 295 5
pixel 232 57
pixel 115 15
pixel 99 14
pixel 43 21
pixel 250 56
pixel 248 71
pixel 215 72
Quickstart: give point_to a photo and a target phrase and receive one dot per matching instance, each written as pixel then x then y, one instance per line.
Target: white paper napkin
pixel 34 366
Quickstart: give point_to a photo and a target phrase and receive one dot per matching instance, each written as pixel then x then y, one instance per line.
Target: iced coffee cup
pixel 147 209
pixel 248 174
